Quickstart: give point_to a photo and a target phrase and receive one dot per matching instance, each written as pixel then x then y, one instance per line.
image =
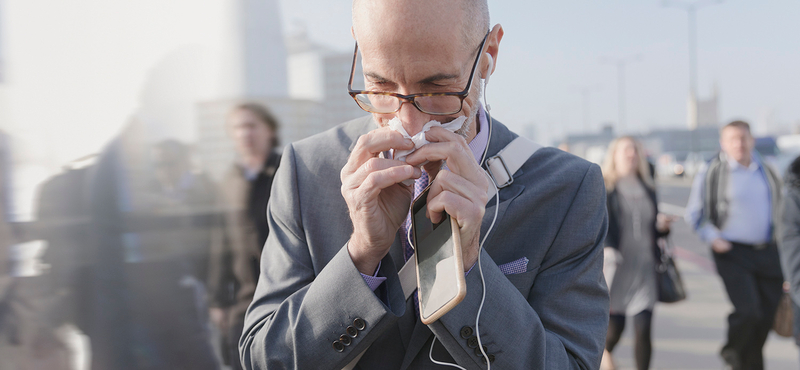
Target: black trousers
pixel 753 281
pixel 642 345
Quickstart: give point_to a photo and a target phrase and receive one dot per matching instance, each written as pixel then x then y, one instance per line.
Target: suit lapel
pixel 507 195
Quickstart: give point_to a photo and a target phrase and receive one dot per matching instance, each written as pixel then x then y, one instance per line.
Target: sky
pixel 76 69
pixel 551 51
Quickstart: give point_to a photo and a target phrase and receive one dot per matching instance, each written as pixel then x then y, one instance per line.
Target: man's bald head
pixel 468 18
pixel 425 46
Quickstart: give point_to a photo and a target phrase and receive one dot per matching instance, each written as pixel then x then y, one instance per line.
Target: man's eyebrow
pixel 438 77
pixel 427 80
pixel 376 77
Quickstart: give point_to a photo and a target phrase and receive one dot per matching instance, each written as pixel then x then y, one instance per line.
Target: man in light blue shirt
pixel 733 207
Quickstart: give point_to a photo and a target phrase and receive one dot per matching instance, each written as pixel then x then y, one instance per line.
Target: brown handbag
pixel 784 317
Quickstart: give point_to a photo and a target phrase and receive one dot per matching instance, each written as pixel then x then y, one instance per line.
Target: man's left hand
pixel 461 191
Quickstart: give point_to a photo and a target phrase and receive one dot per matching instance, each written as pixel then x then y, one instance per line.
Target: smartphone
pixel 440 268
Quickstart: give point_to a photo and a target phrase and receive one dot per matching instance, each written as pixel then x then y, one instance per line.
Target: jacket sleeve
pixel 299 311
pixel 562 322
pixel 789 241
pixel 694 209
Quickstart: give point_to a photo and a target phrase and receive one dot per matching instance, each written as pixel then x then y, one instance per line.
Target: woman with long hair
pixel 633 228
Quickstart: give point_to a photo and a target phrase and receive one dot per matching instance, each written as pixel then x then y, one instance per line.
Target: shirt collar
pixel 734 165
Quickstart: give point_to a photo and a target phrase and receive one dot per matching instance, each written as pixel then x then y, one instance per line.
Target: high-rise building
pixel 254 52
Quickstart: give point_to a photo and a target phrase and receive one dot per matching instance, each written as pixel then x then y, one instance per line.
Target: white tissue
pixel 419 139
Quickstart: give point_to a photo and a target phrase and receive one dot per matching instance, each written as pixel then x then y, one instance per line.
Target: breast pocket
pixel 524 281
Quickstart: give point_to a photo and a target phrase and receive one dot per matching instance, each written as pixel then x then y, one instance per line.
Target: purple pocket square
pixel 515 267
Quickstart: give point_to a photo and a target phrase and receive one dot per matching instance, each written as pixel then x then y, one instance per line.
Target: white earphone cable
pixel 480 267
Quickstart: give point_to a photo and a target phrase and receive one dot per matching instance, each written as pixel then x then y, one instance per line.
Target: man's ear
pixel 493 48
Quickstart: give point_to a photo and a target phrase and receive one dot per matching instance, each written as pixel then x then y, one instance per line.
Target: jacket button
pixel 472 342
pixel 351 331
pixel 478 351
pixel 466 332
pixel 491 359
pixel 345 340
pixel 338 346
pixel 359 323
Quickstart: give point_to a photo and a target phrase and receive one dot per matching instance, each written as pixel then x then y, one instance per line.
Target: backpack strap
pixel 502 166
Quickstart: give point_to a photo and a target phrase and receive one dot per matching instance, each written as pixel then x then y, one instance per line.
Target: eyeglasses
pixel 441 103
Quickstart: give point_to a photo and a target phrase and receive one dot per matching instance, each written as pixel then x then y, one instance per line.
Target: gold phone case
pixel 459 277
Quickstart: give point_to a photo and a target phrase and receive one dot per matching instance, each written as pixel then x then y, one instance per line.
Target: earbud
pixel 488 70
pixel 486 81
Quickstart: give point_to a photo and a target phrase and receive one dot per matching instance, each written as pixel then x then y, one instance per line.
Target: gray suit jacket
pixel 553 316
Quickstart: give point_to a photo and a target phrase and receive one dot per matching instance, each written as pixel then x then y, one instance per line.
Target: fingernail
pixel 417 172
pixel 409 142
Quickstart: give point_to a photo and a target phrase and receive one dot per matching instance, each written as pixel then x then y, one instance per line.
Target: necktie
pixel 419 185
pixel 408 251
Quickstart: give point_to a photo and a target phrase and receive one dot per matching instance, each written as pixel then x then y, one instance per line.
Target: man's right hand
pixel 377 202
pixel 720 245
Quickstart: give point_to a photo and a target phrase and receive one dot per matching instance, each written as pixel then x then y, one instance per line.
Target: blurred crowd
pixel 147 263
pixel 737 206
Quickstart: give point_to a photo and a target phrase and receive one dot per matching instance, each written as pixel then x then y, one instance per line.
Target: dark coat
pixel 789 229
pixel 236 252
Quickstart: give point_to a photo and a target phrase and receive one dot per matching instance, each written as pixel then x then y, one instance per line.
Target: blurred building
pixel 708 110
pixel 591 147
pixel 315 99
pixel 703 139
pixel 255 55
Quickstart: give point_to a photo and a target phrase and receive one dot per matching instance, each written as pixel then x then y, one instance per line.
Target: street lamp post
pixel 691 10
pixel 620 64
pixel 586 92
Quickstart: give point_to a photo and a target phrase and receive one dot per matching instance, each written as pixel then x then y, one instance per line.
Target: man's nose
pixel 413 120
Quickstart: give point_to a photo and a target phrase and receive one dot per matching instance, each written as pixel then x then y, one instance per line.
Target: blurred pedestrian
pixel 236 254
pixel 634 225
pixel 133 253
pixel 733 207
pixel 789 239
pixel 9 319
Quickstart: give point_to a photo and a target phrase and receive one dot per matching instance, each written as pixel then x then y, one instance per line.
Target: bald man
pixel 329 289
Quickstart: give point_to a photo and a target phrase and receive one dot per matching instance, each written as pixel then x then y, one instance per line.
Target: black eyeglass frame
pixel 411 97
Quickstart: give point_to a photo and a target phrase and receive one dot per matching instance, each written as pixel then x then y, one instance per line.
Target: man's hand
pixel 720 245
pixel 461 191
pixel 376 200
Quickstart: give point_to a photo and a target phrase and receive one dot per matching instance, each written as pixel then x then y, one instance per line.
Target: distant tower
pixel 254 54
pixel 708 110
